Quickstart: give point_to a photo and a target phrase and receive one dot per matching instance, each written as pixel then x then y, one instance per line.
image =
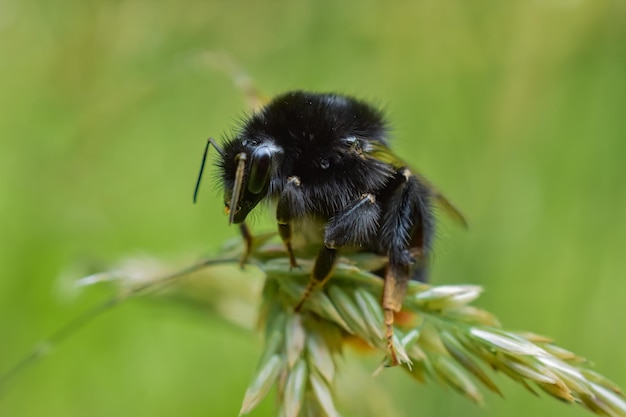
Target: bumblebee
pixel 324 160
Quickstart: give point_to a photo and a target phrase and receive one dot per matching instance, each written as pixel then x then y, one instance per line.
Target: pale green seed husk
pixel 261 384
pixel 295 387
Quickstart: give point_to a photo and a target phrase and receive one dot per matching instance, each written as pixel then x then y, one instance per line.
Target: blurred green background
pixel 515 109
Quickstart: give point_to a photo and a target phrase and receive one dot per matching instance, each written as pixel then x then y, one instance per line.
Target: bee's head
pixel 246 170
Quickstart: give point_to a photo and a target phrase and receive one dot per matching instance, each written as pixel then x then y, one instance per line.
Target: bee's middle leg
pixel 351 227
pixel 324 264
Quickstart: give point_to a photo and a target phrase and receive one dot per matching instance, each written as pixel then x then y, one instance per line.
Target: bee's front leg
pixel 291 205
pixel 248 240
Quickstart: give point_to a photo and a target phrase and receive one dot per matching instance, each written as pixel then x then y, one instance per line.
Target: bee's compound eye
pixel 259 170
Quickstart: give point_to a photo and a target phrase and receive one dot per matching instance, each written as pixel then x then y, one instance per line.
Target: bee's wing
pixel 384 154
pixel 446 205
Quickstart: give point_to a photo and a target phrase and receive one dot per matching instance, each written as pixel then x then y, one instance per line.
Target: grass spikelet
pixel 455 377
pixel 446 340
pixel 459 354
pixel 261 384
pixel 439 336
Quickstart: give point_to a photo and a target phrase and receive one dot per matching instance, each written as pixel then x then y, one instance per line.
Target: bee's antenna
pixel 234 202
pixel 210 141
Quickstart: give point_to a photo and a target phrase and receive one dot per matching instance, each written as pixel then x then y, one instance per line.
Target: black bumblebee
pixel 325 161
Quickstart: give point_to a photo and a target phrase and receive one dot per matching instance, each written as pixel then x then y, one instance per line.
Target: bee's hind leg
pixel 406 231
pixel 394 290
